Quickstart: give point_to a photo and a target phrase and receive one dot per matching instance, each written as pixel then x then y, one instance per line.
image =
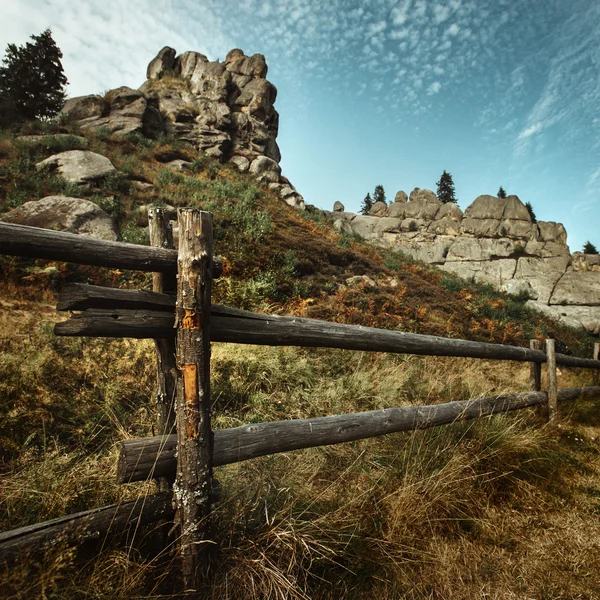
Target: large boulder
pixel 396 210
pixel 577 288
pixel 540 249
pixel 486 207
pixel 572 316
pixel 423 205
pixel 162 64
pixel 78 166
pixel 585 262
pixel 549 231
pixel 432 252
pixel 84 107
pixel 542 273
pixel 480 227
pixel 378 209
pixel 481 249
pixel 401 197
pixel 64 214
pixel 265 169
pixel 495 272
pixel 338 206
pixel 365 226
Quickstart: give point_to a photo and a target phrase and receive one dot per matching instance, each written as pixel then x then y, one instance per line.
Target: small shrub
pixel 135 235
pixel 102 133
pixel 452 283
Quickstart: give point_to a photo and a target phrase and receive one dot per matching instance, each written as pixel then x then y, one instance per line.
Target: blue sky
pixel 383 91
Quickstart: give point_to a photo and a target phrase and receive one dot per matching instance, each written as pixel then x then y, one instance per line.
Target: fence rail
pixel 183 326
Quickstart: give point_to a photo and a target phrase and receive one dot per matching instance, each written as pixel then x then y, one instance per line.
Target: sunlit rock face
pixel 225 110
pixel 495 241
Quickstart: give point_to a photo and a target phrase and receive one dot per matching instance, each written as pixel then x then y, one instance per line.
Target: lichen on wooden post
pixel 161 236
pixel 551 379
pixel 194 436
pixel 596 356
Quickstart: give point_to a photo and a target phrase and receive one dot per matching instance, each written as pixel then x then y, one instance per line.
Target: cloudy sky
pixel 497 92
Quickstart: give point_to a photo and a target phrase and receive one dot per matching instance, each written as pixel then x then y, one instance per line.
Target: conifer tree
pixel 531 212
pixel 589 248
pixel 445 188
pixel 32 80
pixel 501 193
pixel 379 194
pixel 366 205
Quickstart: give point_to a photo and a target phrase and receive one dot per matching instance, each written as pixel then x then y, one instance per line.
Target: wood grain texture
pixel 535 368
pixel 34 242
pixel 144 458
pixel 551 382
pixel 92 524
pixel 244 327
pixel 193 481
pixel 161 236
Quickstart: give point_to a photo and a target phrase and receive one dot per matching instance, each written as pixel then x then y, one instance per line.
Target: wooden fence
pixel 179 316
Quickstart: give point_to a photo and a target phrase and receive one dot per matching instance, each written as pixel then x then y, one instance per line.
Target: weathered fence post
pixel 535 368
pixel 194 436
pixel 161 236
pixel 596 356
pixel 551 379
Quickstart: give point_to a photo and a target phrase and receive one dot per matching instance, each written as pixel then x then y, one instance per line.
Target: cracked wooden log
pixel 84 526
pixel 144 458
pixel 244 327
pixel 193 481
pixel 161 236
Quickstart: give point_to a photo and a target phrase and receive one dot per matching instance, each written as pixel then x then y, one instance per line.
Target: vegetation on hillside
pixel 499 508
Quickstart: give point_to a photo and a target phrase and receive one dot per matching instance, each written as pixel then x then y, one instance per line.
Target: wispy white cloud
pixel 531 130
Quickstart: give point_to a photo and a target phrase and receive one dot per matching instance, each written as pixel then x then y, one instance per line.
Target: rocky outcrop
pixel 64 214
pixel 78 166
pixel 225 110
pixel 495 242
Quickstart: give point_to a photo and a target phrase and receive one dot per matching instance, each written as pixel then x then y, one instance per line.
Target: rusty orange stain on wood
pixel 190 392
pixel 191 320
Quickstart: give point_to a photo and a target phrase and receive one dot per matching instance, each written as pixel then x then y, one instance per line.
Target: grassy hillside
pixel 498 508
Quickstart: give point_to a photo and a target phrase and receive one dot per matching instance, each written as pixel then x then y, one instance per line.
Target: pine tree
pixel 445 188
pixel 366 205
pixel 589 248
pixel 531 212
pixel 501 193
pixel 379 194
pixel 32 80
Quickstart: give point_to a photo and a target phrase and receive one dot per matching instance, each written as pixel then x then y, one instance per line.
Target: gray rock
pixel 481 249
pixel 378 209
pixel 396 210
pixel 517 229
pixel 585 262
pixel 496 272
pixel 178 165
pixel 430 252
pixel 84 107
pixel 241 162
pixel 514 209
pixel 519 287
pixel 486 207
pixel 577 288
pixel 78 142
pixel 401 197
pixel 572 316
pixel 445 226
pixel 422 205
pixel 78 166
pixel 360 279
pixel 549 231
pixel 162 64
pixel 449 211
pixel 338 206
pixel 265 169
pixel 64 214
pixel 542 273
pixel 480 227
pixel 287 190
pixel 545 249
pixel 365 226
pixel 342 226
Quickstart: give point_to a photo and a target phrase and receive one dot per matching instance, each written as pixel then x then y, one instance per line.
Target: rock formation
pixel 225 110
pixel 495 242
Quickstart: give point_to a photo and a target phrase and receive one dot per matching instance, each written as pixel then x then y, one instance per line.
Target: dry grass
pixel 504 507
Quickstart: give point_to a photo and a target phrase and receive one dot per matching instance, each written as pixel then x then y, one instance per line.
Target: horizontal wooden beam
pixel 145 458
pixel 81 296
pixel 83 526
pixel 47 244
pixel 34 242
pixel 243 327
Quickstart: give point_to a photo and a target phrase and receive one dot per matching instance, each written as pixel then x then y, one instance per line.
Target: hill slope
pixel 503 507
